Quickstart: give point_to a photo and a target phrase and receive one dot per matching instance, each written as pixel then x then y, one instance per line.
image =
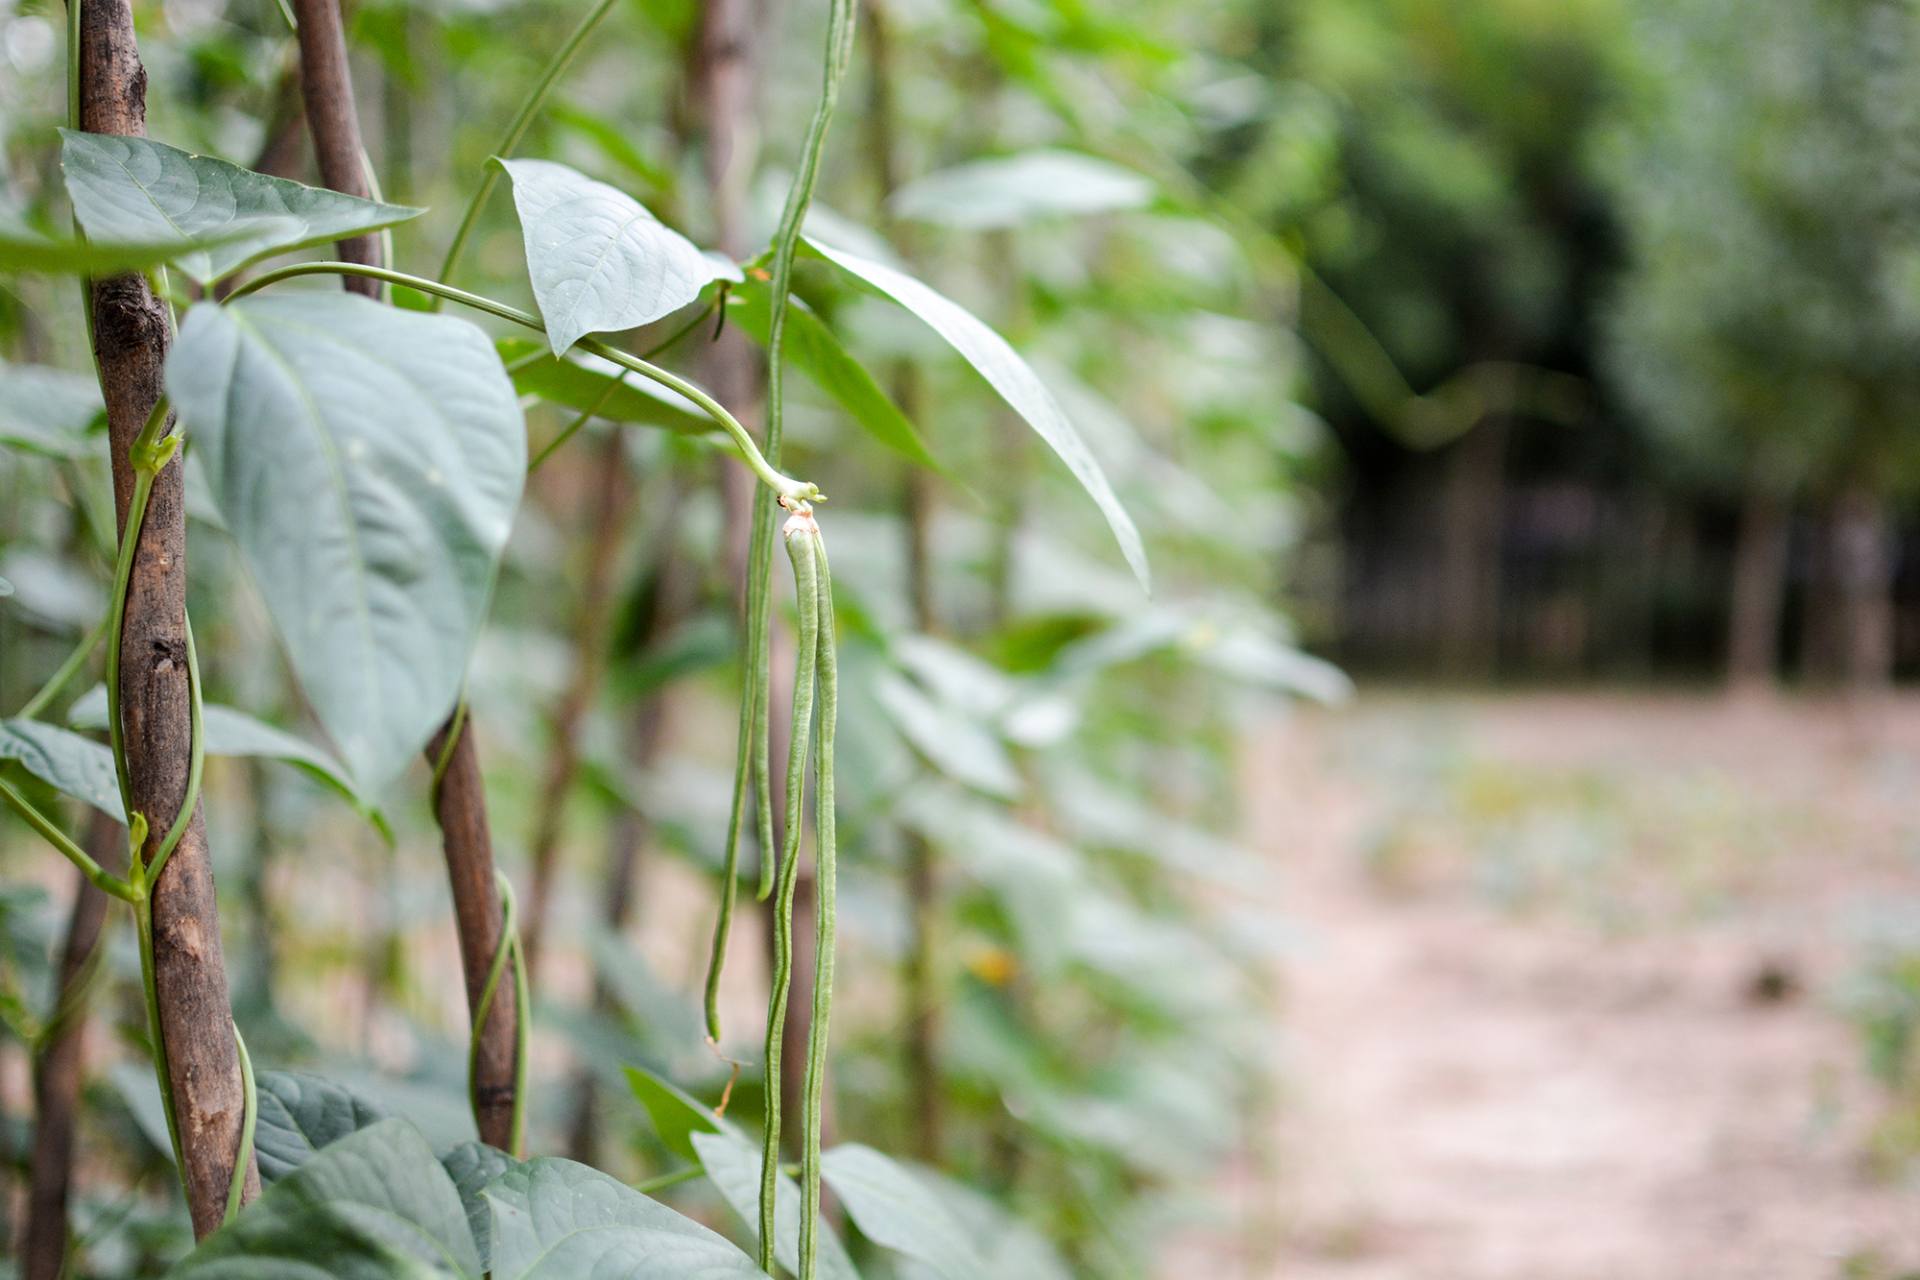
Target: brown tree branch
pixel 57 1065
pixel 131 334
pixel 460 803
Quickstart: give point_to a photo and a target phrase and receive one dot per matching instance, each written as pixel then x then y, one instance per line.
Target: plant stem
pixel 64 673
pixel 782 486
pixel 522 120
pixel 49 830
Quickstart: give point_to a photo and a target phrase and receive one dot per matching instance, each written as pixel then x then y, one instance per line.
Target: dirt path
pixel 1592 1034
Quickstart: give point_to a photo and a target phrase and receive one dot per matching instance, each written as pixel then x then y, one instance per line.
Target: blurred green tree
pixel 1765 175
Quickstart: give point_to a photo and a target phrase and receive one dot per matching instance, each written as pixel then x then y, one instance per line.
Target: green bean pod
pixel 828 674
pixel 801 536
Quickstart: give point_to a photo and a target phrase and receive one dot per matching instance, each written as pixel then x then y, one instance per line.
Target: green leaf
pixel 580 382
pixel 65 761
pixel 232 732
pixel 953 743
pixel 137 190
pixel 557 1220
pixel 1010 376
pixel 25 250
pixel 368 461
pixel 46 410
pixel 813 348
pixel 732 1163
pixel 600 262
pixel 1011 1249
pixel 473 1166
pixel 1006 190
pixel 896 1210
pixel 677 1116
pixel 299 1114
pixel 373 1205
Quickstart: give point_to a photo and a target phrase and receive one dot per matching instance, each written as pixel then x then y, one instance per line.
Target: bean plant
pixel 359 436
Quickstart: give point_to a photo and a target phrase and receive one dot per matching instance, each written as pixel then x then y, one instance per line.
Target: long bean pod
pixel 827 668
pixel 801 547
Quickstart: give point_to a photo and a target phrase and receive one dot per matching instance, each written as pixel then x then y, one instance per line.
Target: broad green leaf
pixel 732 1163
pixel 1011 1249
pixel 581 383
pixel 1010 376
pixel 65 761
pixel 46 410
pixel 473 1166
pixel 599 261
pixel 299 1114
pixel 557 1220
pixel 954 744
pixel 25 250
pixel 1006 190
pixel 373 1205
pixel 677 1116
pixel 141 191
pixel 813 348
pixel 896 1210
pixel 231 732
pixel 368 461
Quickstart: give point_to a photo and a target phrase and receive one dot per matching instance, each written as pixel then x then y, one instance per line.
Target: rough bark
pixel 57 1069
pixel 460 805
pixel 1759 590
pixel 326 83
pixel 131 336
pixel 461 809
pixel 610 497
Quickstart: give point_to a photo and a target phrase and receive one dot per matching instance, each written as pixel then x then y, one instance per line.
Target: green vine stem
pixel 753 757
pixel 522 120
pixel 507 952
pixel 800 550
pixel 64 673
pixel 782 486
pixel 249 1118
pixel 826 870
pixel 49 830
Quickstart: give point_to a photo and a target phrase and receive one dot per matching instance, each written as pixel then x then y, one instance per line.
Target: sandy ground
pixel 1517 1048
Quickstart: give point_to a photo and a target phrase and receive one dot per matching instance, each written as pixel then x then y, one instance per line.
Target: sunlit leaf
pixel 373 1205
pixel 558 1220
pixel 1006 190
pixel 368 461
pixel 893 1209
pixel 957 746
pixel 599 261
pixel 1010 376
pixel 676 1116
pixel 140 191
pixel 815 351
pixel 732 1163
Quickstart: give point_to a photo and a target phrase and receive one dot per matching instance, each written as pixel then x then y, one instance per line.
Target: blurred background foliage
pixel 1509 339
